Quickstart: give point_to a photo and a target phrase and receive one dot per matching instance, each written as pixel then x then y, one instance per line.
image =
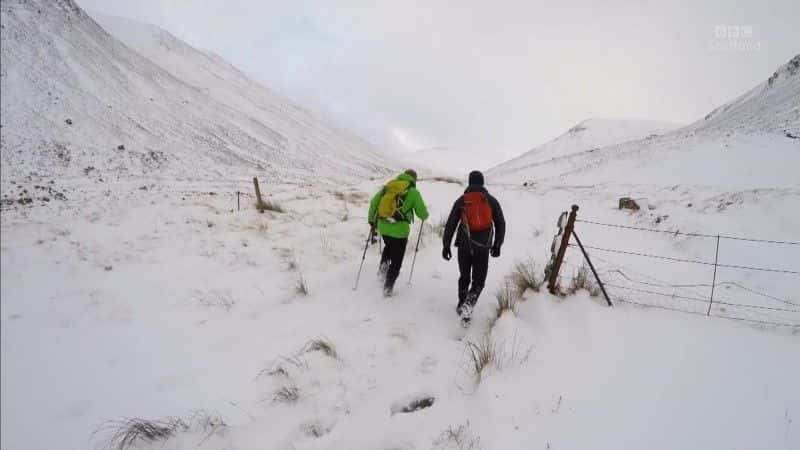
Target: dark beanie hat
pixel 475 178
pixel 412 173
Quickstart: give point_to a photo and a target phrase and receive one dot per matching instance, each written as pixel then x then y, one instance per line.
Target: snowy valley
pixel 147 286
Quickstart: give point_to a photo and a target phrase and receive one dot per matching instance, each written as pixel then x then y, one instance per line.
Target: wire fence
pixel 733 299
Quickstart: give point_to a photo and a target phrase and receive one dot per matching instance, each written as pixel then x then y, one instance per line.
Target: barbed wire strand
pixel 762 322
pixel 704 300
pixel 722 283
pixel 679 233
pixel 690 261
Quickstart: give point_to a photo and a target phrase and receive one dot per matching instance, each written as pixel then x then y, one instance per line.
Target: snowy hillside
pixel 588 135
pixel 738 144
pixel 771 107
pixel 76 100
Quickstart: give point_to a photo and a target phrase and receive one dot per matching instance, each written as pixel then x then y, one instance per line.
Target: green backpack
pixel 391 202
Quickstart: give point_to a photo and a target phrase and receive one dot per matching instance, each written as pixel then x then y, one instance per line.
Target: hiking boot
pixel 388 291
pixel 466 314
pixel 471 300
pixel 382 270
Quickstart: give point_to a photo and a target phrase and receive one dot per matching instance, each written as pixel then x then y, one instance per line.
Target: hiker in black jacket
pixel 481 229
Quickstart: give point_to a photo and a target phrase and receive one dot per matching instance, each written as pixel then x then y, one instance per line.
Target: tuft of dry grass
pixel 525 276
pixel 286 394
pixel 506 299
pixel 131 433
pixel 284 366
pixel 457 438
pixel 581 279
pixel 482 354
pixel 300 286
pixel 323 345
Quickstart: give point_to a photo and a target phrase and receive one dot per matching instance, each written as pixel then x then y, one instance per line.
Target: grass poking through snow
pixel 526 276
pixel 322 345
pixel 457 438
pixel 506 299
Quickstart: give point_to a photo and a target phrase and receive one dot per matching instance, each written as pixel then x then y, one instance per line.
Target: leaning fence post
pixel 713 280
pixel 551 284
pixel 259 202
pixel 591 266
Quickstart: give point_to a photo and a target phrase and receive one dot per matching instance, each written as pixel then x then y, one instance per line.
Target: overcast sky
pixel 500 76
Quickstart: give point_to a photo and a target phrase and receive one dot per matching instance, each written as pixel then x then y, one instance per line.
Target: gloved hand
pixel 495 252
pixel 446 253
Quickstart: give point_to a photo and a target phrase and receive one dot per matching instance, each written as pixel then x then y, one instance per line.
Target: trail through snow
pixel 198 300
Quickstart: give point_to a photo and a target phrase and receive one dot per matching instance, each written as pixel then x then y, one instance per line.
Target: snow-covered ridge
pixel 587 135
pixel 771 107
pixel 74 97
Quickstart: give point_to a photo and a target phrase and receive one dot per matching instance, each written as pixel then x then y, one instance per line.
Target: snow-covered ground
pixel 150 294
pixel 158 302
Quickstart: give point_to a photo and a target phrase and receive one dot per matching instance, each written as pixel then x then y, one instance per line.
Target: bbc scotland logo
pixel 734 38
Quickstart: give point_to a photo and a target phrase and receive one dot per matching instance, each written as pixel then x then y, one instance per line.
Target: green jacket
pixel 412 204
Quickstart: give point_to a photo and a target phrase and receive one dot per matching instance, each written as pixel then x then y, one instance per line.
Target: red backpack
pixel 477 212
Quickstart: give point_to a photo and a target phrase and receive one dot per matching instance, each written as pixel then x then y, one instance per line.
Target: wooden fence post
pixel 259 203
pixel 551 284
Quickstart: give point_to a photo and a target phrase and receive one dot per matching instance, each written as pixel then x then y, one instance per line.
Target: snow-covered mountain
pixel 727 148
pixel 771 107
pixel 587 135
pixel 75 98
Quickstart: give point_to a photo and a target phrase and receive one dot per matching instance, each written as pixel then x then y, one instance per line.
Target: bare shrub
pixel 323 345
pixel 526 275
pixel 457 438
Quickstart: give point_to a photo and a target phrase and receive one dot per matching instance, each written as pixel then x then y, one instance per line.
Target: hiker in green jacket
pixel 392 211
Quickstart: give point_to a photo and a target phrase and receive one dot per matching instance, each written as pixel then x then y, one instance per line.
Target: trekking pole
pixel 364 256
pixel 416 250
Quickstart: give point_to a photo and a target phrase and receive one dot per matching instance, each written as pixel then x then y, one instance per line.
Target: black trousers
pixel 394 249
pixel 473 266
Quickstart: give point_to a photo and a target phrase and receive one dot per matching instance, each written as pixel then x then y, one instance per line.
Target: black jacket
pixel 479 238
